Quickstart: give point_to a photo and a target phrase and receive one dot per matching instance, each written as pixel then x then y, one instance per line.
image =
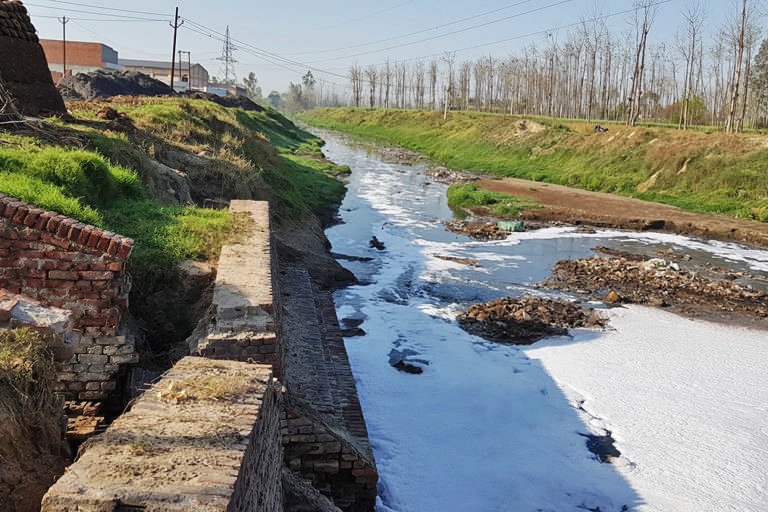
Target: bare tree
pixel 740 42
pixel 371 74
pixel 645 12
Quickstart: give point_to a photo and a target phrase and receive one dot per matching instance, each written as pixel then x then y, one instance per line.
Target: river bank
pixel 452 419
pixel 696 171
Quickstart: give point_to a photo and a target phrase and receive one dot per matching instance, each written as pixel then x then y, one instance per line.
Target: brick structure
pixel 23 68
pixel 181 448
pixel 244 327
pixel 324 433
pixel 82 57
pixel 62 263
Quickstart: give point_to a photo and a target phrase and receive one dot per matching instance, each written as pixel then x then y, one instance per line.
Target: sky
pixel 280 42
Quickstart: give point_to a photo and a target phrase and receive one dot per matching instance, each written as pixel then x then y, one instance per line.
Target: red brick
pixel 20 244
pixel 10 263
pixel 31 235
pixel 96 276
pixel 21 214
pixel 115 267
pixel 34 283
pixel 30 254
pixel 10 209
pixel 53 223
pixel 85 234
pixel 101 267
pixel 32 274
pixel 104 242
pixel 125 249
pixel 42 221
pixel 64 227
pixel 61 255
pixel 61 274
pixel 75 230
pixel 61 243
pixel 4 253
pixel 93 240
pixel 59 284
pixel 82 284
pixel 5 244
pixel 114 246
pixel 33 216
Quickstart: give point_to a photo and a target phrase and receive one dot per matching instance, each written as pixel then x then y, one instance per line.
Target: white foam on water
pixel 491 427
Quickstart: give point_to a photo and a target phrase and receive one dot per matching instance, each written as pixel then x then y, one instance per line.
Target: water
pixel 481 426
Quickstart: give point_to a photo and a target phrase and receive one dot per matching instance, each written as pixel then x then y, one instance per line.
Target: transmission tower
pixel 227 60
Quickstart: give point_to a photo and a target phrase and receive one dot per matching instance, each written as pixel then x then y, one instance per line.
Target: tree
pixel 293 100
pixel 694 21
pixel 737 68
pixel 645 12
pixel 251 85
pixel 760 85
pixel 274 99
pixel 308 99
pixel 371 74
pixel 356 77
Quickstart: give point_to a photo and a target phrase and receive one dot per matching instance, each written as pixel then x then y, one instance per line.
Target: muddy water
pixel 461 424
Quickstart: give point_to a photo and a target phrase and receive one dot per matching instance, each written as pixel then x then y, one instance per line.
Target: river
pixel 491 427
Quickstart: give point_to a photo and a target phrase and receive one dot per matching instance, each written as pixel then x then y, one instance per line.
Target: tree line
pixel 593 73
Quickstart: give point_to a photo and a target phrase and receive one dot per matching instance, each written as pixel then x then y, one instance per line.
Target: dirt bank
pixel 599 209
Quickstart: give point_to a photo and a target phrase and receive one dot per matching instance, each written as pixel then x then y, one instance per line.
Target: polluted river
pixel 654 412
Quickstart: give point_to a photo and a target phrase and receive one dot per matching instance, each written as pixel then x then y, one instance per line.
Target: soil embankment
pixel 574 206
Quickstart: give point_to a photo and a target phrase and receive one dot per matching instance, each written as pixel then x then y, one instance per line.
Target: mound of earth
pixel 105 84
pixel 656 282
pixel 526 320
pixel 477 230
pixel 226 101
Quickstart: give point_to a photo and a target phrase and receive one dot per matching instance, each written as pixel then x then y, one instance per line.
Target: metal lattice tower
pixel 227 60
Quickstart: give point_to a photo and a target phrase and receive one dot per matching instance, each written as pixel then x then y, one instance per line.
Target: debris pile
pixel 526 320
pixel 396 155
pixel 477 230
pixel 449 177
pixel 118 121
pixel 226 101
pixel 464 261
pixel 657 282
pixel 105 84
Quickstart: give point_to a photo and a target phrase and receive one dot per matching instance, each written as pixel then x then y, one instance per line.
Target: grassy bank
pixel 709 172
pixel 96 174
pixel 468 195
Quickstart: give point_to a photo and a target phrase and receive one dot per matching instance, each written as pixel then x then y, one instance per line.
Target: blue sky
pixel 334 34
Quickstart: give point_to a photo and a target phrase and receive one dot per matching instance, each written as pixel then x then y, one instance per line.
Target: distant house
pixel 185 76
pixel 82 57
pixel 226 89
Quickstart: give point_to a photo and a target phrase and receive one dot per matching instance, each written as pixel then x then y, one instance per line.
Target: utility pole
pixel 64 20
pixel 175 25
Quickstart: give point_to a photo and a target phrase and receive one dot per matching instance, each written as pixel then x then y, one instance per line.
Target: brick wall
pixel 244 327
pixel 78 53
pixel 178 451
pixel 63 263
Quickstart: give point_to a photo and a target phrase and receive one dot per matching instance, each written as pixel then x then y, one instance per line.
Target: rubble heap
pixel 657 282
pixel 106 84
pixel 477 230
pixel 449 177
pixel 526 320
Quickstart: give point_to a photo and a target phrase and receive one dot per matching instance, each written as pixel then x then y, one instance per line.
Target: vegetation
pixel 27 373
pixel 498 204
pixel 698 171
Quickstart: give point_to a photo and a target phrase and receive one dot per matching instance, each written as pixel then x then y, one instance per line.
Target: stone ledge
pixel 183 447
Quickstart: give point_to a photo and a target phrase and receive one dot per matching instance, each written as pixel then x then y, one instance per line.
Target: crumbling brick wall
pixel 63 263
pixel 23 68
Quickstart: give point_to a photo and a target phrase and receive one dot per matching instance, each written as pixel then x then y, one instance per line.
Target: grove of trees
pixel 594 72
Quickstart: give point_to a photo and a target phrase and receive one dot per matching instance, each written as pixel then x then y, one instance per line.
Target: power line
pixel 97 19
pixel 439 36
pixel 115 9
pixel 430 29
pixel 68 9
pixel 114 43
pixel 227 59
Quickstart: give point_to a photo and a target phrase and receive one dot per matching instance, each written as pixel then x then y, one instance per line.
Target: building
pixel 186 75
pixel 82 57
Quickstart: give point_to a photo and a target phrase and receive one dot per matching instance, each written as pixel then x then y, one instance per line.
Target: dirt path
pixel 576 206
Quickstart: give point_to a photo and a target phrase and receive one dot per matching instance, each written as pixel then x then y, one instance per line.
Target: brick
pixel 96 275
pixel 21 214
pixel 85 234
pixel 125 249
pixel 59 284
pixel 93 240
pixel 33 216
pixel 59 274
pixel 43 220
pixel 103 244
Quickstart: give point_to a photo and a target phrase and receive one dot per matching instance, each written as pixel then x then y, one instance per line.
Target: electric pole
pixel 64 20
pixel 175 25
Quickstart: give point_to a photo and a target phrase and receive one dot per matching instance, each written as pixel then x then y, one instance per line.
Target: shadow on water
pixel 457 423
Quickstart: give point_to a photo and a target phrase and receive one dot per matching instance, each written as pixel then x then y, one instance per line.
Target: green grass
pixel 498 204
pixel 708 172
pixel 27 371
